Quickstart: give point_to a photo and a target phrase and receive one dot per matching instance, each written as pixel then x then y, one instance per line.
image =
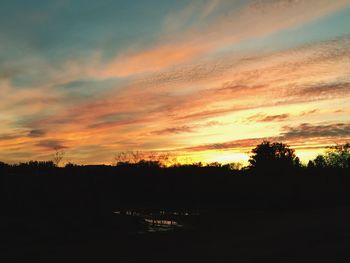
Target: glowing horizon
pixel 206 80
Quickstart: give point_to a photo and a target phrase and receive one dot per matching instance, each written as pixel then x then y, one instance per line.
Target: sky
pixel 205 80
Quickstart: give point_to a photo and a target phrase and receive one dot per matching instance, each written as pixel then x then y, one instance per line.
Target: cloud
pixel 301 135
pixel 305 113
pixel 269 118
pixel 199 68
pixel 307 130
pixel 225 145
pixel 206 90
pixel 36 133
pixel 8 137
pixel 194 93
pixel 321 91
pixel 51 144
pixel 174 130
pixel 258 19
pixel 261 117
pixel 185 128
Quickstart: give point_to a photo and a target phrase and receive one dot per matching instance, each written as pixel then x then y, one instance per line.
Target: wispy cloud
pixel 326 134
pixel 185 128
pixel 36 133
pixel 306 130
pixel 205 64
pixel 269 118
pixel 51 144
pixel 258 18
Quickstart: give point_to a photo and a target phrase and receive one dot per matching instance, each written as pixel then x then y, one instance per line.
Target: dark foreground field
pixel 275 235
pixel 230 218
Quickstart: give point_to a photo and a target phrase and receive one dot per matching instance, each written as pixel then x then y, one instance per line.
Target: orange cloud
pixel 259 19
pixel 171 95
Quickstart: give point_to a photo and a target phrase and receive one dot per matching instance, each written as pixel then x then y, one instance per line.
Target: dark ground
pixel 57 218
pixel 286 235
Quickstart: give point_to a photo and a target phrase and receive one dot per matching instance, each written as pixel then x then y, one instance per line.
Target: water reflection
pixel 158 221
pixel 160 225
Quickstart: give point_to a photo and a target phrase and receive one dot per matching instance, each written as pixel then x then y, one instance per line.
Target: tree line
pixel 266 157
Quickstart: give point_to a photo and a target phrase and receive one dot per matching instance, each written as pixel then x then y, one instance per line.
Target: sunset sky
pixel 204 79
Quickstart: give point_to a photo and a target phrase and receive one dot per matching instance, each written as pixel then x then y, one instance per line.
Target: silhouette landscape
pixel 275 209
pixel 174 131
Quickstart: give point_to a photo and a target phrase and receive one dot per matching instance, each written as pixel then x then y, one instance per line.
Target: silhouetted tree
pixel 141 158
pixel 339 156
pixel 320 162
pixel 121 157
pixel 70 165
pixel 2 164
pixel 32 165
pixel 147 164
pixel 214 164
pixel 311 165
pixel 274 156
pixel 58 157
pixel 234 166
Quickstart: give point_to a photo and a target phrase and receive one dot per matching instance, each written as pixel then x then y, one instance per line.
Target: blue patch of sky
pixel 85 89
pixel 58 28
pixel 325 28
pixel 200 20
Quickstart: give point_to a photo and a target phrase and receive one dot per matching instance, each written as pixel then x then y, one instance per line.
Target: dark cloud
pixel 211 113
pixel 8 137
pixel 304 113
pixel 226 145
pixel 325 133
pixel 174 130
pixel 36 133
pixel 269 118
pixel 326 90
pixel 186 128
pixel 280 117
pixel 307 130
pixel 51 144
pixel 111 124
